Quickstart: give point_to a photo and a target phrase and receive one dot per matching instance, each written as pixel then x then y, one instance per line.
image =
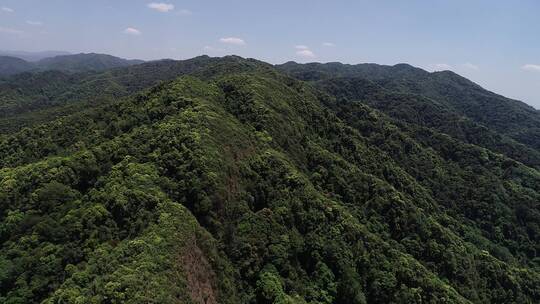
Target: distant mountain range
pixel 13 64
pixel 33 56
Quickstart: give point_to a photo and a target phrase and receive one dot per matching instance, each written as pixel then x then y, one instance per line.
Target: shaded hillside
pixel 506 116
pixel 12 65
pixel 280 192
pixel 427 112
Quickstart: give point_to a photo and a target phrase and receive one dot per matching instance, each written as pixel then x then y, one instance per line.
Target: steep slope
pixel 282 193
pixel 30 99
pixel 505 116
pixel 426 112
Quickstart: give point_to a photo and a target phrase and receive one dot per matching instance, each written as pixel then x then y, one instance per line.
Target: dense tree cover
pixel 239 184
pixel 32 98
pixel 506 116
pixel 84 62
pixel 426 112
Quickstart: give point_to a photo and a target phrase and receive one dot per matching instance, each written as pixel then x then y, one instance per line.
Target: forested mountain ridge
pixel 428 112
pixel 236 183
pixel 506 116
pixel 32 98
pixel 84 62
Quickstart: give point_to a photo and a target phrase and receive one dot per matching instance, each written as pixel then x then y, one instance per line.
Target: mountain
pixel 227 180
pixel 84 62
pixel 32 56
pixel 29 99
pixel 512 118
pixel 428 112
pixel 13 65
pixel 67 63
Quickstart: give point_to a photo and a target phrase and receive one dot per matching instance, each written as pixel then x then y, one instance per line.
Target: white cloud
pixel 328 44
pixel 8 10
pixel 161 7
pixel 232 40
pixel 132 31
pixel 442 67
pixel 531 67
pixel 7 30
pixel 34 23
pixel 470 66
pixel 305 53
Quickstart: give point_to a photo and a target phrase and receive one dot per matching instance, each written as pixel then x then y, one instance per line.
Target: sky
pixel 494 43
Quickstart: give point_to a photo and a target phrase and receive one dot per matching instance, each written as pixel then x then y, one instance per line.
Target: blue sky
pixel 494 43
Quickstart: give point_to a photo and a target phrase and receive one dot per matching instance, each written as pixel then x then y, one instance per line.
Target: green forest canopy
pixel 229 180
